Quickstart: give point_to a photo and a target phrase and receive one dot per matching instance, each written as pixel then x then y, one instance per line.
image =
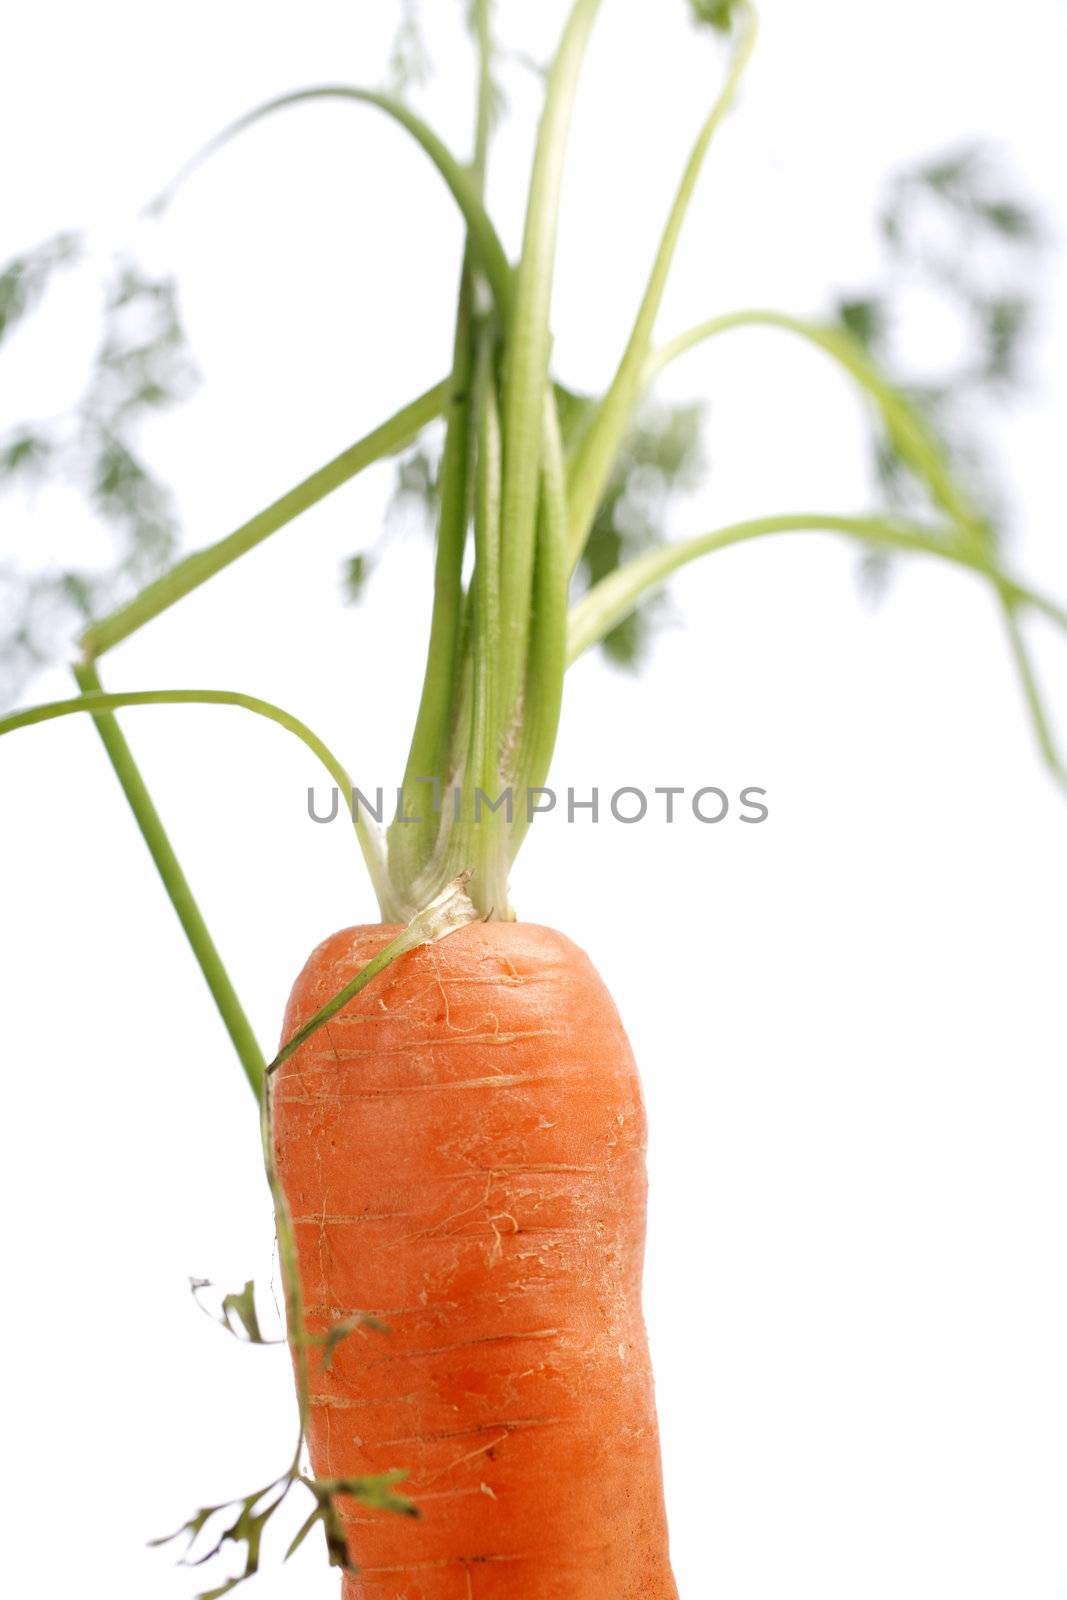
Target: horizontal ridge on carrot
pixel 462 1150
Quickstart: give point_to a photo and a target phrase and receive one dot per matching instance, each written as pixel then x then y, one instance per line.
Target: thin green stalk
pixel 905 426
pixel 1032 693
pixel 615 596
pixel 197 568
pixel 526 369
pixel 478 840
pixel 176 884
pixel 295 1321
pixel 484 236
pixel 484 113
pixel 548 641
pixel 93 702
pixel 594 457
pixel 450 910
pixel 411 844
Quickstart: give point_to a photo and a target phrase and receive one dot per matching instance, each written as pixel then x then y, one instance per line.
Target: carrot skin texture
pixel 462 1149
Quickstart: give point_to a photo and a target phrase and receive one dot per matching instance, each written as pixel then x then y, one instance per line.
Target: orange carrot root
pixel 463 1152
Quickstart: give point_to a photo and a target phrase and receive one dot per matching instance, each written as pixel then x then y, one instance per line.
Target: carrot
pixel 453 1132
pixel 462 1150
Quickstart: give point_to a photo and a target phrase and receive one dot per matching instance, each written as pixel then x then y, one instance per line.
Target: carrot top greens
pixel 527 469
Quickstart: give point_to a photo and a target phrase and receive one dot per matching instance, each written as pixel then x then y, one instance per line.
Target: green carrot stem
pixel 295 1321
pixel 176 884
pixel 197 568
pixel 1039 718
pixel 593 459
pixel 464 190
pixel 447 912
pixel 906 427
pixel 543 696
pixel 527 360
pixel 614 597
pixel 484 111
pixel 92 702
pixel 411 844
pixel 479 837
pixel 969 540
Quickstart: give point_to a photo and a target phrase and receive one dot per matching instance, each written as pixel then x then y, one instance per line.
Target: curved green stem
pixel 923 452
pixel 907 429
pixel 177 886
pixel 201 565
pixel 456 176
pixel 595 454
pixel 100 700
pixel 94 701
pixel 526 370
pixel 609 601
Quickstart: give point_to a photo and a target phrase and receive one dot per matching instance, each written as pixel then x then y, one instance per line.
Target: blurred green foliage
pixel 954 231
pixel 409 60
pixel 719 14
pixel 26 277
pixel 141 365
pixel 662 458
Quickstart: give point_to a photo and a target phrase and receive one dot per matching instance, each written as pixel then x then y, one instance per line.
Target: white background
pixel 850 1021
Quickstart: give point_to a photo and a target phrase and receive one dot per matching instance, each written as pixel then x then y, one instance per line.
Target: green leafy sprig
pixel 253 1513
